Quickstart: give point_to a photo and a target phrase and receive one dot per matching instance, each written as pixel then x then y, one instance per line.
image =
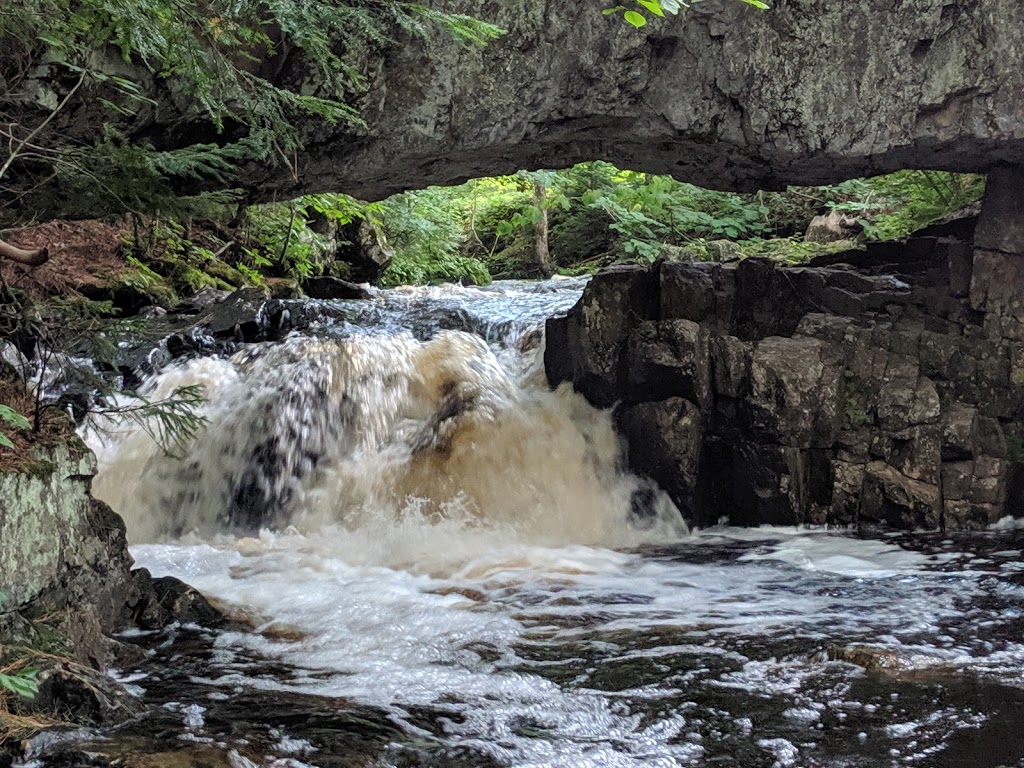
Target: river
pixel 441 562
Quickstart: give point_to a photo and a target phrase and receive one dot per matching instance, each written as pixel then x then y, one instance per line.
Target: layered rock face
pixel 889 391
pixel 722 95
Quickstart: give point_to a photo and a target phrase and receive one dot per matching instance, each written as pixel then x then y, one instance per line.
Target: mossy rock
pixel 283 288
pixel 132 290
pixel 218 270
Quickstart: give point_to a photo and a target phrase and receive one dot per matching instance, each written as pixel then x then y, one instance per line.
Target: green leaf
pixel 654 6
pixel 5 442
pixel 23 683
pixel 634 18
pixel 757 4
pixel 13 418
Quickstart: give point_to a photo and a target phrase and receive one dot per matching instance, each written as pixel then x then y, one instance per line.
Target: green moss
pixel 225 273
pixel 139 286
pixel 39 468
pixel 854 406
pixel 792 250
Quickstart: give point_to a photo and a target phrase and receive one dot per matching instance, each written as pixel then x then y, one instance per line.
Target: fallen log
pixel 31 258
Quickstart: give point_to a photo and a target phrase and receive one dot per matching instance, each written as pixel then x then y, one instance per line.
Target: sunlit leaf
pixel 634 18
pixel 653 6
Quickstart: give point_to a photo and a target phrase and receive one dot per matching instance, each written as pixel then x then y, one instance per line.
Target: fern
pixel 201 52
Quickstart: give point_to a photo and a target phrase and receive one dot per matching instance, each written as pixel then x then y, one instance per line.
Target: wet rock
pixel 558 355
pixel 876 396
pixel 664 440
pixel 794 391
pixel 239 316
pixel 192 344
pixel 892 663
pixel 328 288
pixel 597 328
pixel 668 358
pixel 892 499
pixel 167 599
pixel 81 695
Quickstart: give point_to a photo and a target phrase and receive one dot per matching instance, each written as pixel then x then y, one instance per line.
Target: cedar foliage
pixel 215 54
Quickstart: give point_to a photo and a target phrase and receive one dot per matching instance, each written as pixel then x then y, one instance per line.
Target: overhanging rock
pixel 723 95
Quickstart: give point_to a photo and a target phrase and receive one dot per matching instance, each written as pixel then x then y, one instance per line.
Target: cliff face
pixel 887 390
pixel 723 95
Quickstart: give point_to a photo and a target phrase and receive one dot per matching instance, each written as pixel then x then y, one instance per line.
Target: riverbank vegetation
pixel 595 214
pixel 581 219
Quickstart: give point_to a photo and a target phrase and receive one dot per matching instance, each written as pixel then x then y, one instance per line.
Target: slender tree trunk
pixel 30 258
pixel 541 232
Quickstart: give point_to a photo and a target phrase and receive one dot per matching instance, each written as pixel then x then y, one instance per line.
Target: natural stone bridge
pixel 723 96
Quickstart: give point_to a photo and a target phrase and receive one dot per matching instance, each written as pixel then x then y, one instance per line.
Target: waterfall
pixel 374 428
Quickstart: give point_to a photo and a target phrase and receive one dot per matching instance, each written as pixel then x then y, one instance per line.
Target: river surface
pixel 440 563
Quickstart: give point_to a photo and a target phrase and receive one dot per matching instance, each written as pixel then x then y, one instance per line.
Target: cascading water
pixel 417 527
pixel 364 429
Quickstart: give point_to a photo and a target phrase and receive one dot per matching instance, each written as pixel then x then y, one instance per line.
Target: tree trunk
pixel 541 232
pixel 30 258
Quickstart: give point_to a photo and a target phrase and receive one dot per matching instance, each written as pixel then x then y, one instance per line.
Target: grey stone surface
pixel 63 552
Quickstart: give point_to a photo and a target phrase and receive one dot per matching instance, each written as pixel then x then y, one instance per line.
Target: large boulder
pixel 62 550
pixel 361 251
pixel 772 395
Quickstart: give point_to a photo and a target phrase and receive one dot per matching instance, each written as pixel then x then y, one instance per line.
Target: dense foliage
pixel 217 54
pixel 600 214
pixel 488 228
